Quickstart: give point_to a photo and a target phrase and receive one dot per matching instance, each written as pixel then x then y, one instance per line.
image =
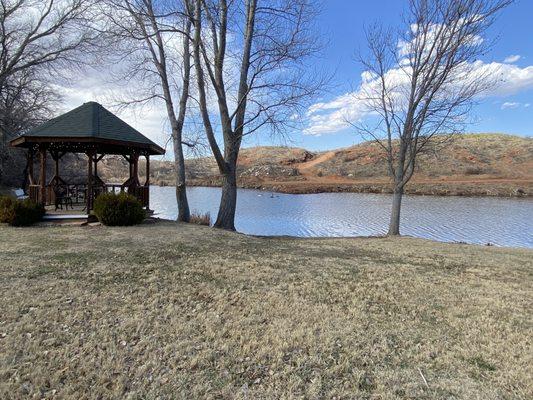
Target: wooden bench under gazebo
pixel 94 131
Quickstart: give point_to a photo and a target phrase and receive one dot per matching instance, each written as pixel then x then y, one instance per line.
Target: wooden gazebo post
pixel 30 166
pixel 55 157
pixel 97 159
pixel 42 177
pixel 147 181
pixel 135 175
pixel 89 200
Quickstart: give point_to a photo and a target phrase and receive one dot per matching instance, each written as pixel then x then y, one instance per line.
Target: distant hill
pixel 470 164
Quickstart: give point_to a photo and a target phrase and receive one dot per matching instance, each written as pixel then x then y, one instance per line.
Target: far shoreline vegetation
pixel 477 165
pixel 473 165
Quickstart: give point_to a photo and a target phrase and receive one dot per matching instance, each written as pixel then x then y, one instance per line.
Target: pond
pixel 481 220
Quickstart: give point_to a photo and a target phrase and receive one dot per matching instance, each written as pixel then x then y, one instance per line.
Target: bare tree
pixel 38 41
pixel 43 33
pixel 24 103
pixel 152 31
pixel 250 57
pixel 422 81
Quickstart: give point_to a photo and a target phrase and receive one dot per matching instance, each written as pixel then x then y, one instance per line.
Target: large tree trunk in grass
pixel 184 214
pixel 264 98
pixel 397 194
pixel 228 201
pixel 394 225
pixel 179 163
pixel 181 187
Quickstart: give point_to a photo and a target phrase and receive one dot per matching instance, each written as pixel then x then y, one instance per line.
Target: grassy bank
pixel 181 311
pixel 464 187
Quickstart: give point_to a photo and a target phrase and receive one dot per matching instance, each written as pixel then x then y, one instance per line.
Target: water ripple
pixel 500 221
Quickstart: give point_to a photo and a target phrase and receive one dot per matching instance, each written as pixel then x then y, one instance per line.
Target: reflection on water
pixel 500 221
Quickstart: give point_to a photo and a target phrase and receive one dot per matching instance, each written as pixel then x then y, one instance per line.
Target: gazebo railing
pixel 78 192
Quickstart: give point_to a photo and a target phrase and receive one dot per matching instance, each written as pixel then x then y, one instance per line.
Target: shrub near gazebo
pixel 120 209
pixel 20 212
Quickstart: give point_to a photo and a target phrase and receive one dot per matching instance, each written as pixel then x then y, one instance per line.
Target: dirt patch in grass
pixel 181 311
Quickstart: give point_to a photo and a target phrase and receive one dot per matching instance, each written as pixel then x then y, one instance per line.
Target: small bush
pixel 27 212
pixel 6 208
pixel 200 219
pixel 20 212
pixel 120 209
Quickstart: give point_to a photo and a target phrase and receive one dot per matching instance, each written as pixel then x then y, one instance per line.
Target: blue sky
pixel 507 108
pixel 342 23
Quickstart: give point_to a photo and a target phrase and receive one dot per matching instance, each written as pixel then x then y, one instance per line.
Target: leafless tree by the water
pixel 421 81
pixel 155 47
pixel 249 55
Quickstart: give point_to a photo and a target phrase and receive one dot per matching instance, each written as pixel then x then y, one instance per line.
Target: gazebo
pixel 94 131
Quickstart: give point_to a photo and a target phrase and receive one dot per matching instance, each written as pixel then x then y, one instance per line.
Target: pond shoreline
pixel 496 188
pixel 477 220
pixel 159 220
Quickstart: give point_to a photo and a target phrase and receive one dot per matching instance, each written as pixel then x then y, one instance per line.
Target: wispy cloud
pixel 333 116
pixel 512 59
pixel 513 104
pixel 510 104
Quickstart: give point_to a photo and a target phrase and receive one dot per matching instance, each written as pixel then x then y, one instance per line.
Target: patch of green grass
pixel 77 259
pixel 479 362
pixel 41 271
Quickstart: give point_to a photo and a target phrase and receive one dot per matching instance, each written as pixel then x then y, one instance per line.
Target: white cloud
pixel 510 104
pixel 150 120
pixel 513 104
pixel 433 31
pixel 512 59
pixel 333 116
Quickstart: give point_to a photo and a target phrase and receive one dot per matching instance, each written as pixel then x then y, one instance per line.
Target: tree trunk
pixel 228 201
pixel 176 123
pixel 394 225
pixel 184 214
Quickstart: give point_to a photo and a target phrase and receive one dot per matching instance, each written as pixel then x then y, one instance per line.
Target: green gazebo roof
pixel 89 124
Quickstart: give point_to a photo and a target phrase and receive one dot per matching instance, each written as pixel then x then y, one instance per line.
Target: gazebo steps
pixel 48 217
pixel 65 218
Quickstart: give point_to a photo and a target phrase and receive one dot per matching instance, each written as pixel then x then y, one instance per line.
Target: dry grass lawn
pixel 180 311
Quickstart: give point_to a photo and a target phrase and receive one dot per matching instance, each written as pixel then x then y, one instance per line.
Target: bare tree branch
pixel 253 53
pixel 422 80
pixel 148 32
